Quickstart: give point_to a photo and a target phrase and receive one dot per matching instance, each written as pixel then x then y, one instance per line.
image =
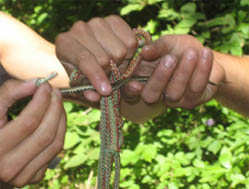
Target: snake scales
pixel 111 121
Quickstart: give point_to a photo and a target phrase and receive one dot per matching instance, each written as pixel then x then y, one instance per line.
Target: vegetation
pixel 205 148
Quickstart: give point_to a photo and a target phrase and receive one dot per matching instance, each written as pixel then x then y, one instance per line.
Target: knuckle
pixel 190 106
pixel 45 139
pixel 131 42
pixel 29 123
pixel 61 37
pixel 120 53
pixel 113 17
pixel 79 25
pixel 83 56
pixel 103 60
pixel 6 173
pixel 150 100
pixel 173 98
pixel 19 183
pixel 38 178
pixel 97 21
pixel 57 146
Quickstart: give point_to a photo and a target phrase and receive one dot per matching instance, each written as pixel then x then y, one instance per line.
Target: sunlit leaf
pixel 75 161
pixel 225 158
pixel 130 8
pixel 71 140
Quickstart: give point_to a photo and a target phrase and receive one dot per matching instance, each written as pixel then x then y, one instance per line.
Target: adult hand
pixel 29 143
pixel 184 78
pixel 91 45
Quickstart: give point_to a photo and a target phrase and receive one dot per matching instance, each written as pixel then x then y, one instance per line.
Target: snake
pixel 111 121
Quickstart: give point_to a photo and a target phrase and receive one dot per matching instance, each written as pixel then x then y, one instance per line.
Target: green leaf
pixel 225 158
pixel 244 2
pixel 149 153
pixel 151 2
pixel 75 161
pixel 93 116
pixel 130 8
pixel 68 107
pixel 128 157
pixel 237 179
pixel 172 185
pixel 199 164
pixel 188 8
pixel 151 26
pixel 71 140
pixel 93 154
pixel 215 146
pixel 42 17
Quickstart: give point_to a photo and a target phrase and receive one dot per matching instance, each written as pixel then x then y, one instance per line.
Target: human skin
pixel 179 66
pixel 20 48
pixel 29 142
pixel 41 125
pixel 91 45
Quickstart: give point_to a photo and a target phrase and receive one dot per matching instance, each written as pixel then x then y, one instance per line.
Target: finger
pixel 27 122
pixel 20 182
pixel 179 82
pixel 198 90
pixel 70 50
pixel 36 143
pixel 10 92
pixel 216 76
pixel 39 175
pixel 92 96
pixel 33 171
pixel 131 91
pixel 173 44
pixel 159 79
pixel 114 47
pixel 123 31
pixel 162 46
pixel 201 73
pixel 82 32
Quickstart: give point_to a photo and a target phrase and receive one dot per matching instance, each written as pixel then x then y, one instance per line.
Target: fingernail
pixel 190 54
pixel 132 90
pixel 105 87
pixel 168 61
pixel 205 53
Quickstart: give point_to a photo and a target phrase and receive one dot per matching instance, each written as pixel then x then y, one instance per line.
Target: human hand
pixel 29 143
pixel 91 45
pixel 184 80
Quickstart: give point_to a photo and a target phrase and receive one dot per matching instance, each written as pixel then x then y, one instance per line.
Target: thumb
pixel 170 44
pixel 10 92
pixel 217 76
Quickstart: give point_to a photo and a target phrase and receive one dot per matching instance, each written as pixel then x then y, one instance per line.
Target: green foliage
pixel 177 149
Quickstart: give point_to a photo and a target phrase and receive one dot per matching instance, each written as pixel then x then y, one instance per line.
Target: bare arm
pixel 235 91
pixel 189 85
pixel 26 55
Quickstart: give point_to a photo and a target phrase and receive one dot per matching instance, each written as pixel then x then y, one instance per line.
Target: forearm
pixel 234 93
pixel 26 55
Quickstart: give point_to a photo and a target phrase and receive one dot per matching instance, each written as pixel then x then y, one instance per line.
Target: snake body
pixel 115 86
pixel 111 121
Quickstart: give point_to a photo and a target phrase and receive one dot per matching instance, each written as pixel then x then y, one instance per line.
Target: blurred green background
pixel 204 148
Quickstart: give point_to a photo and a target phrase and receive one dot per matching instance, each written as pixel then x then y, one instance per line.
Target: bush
pixel 203 148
